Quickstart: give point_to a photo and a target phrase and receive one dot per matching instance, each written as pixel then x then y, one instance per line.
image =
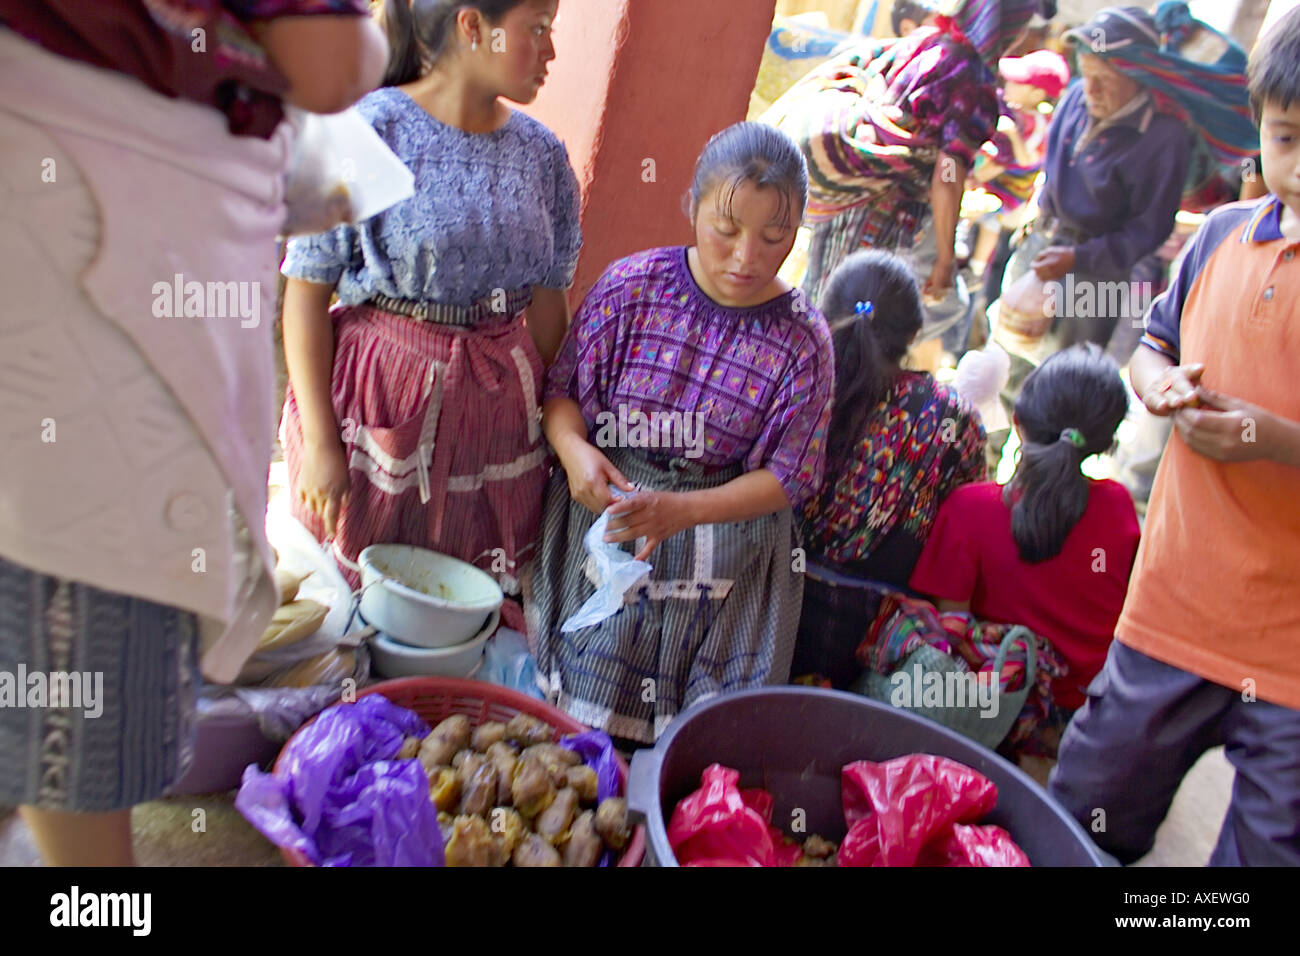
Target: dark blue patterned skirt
pixel 96 694
pixel 719 612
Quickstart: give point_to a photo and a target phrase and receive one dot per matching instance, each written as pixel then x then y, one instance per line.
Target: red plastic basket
pixel 437 698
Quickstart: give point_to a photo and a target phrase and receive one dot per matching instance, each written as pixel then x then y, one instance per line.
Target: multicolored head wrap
pixel 1211 98
pixel 992 27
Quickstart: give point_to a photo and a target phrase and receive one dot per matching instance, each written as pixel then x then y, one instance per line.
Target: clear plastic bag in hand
pixel 616 573
pixel 341 172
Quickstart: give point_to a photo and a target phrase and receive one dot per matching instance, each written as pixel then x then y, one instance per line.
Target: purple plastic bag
pixel 339 797
pixel 597 752
pixel 264 802
pixel 382 817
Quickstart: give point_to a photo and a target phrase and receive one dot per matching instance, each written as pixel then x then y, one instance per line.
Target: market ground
pixel 165 831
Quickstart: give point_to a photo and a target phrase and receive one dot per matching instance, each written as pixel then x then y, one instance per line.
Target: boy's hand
pixel 1228 429
pixel 1175 389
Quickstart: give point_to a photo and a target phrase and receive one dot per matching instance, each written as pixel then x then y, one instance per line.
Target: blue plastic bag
pixel 341 799
pixel 507 663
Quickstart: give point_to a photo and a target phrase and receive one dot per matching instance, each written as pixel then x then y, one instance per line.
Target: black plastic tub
pixel 793 741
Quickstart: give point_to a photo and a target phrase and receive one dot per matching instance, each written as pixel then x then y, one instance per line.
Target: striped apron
pixel 888 221
pixel 441 425
pixel 718 613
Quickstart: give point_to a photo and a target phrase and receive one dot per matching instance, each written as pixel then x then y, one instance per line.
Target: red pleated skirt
pixel 442 430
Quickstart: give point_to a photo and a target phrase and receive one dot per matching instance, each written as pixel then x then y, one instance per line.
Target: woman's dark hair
pixel 1068 409
pixel 868 344
pixel 418 31
pixel 756 153
pixel 913 10
pixel 1273 71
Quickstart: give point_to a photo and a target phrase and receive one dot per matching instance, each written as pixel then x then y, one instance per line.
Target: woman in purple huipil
pixel 698 383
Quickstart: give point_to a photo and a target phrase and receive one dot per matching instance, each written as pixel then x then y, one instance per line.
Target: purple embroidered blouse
pixel 648 339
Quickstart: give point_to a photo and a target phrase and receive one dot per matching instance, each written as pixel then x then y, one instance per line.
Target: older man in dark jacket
pixel 1115 172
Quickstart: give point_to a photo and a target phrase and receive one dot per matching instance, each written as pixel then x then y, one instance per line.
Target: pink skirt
pixel 441 426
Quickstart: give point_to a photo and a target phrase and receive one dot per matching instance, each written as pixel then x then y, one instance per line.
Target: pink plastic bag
pixel 973 846
pixel 716 826
pixel 786 852
pixel 760 801
pixel 897 807
pixel 911 811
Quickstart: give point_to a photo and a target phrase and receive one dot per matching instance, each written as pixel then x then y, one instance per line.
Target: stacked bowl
pixel 434 613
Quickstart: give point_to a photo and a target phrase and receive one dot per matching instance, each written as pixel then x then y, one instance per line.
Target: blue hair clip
pixel 864 308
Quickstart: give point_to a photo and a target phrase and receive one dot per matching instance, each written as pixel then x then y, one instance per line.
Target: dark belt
pixel 1062 235
pixel 680 463
pixel 441 313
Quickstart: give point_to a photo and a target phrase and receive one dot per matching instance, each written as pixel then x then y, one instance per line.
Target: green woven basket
pixel 968 720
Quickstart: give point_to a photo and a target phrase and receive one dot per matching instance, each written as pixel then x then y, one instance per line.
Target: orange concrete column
pixel 636 89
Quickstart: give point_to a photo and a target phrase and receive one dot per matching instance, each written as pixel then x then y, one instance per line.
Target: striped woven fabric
pixel 135 738
pixel 903 624
pixel 1215 106
pixel 444 440
pixel 992 27
pixel 718 613
pixel 873 119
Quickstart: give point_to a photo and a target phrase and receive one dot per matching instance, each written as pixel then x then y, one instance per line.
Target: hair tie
pixel 1074 437
pixel 865 308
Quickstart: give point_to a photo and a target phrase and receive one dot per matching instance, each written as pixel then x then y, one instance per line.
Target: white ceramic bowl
pixel 423 598
pixel 388 658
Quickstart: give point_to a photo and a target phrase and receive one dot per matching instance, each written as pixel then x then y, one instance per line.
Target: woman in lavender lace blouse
pixel 699 384
pixel 412 414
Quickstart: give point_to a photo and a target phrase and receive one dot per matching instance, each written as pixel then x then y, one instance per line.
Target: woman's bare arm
pixel 946 188
pixel 323 480
pixel 751 495
pixel 329 61
pixel 589 472
pixel 309 357
pixel 548 320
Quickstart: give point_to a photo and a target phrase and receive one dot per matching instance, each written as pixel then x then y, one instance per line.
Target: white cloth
pixel 162 426
pixel 981 376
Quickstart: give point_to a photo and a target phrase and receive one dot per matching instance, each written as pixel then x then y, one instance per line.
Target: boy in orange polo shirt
pixel 1207 649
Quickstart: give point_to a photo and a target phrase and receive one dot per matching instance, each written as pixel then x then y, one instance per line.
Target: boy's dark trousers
pixel 1144 725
